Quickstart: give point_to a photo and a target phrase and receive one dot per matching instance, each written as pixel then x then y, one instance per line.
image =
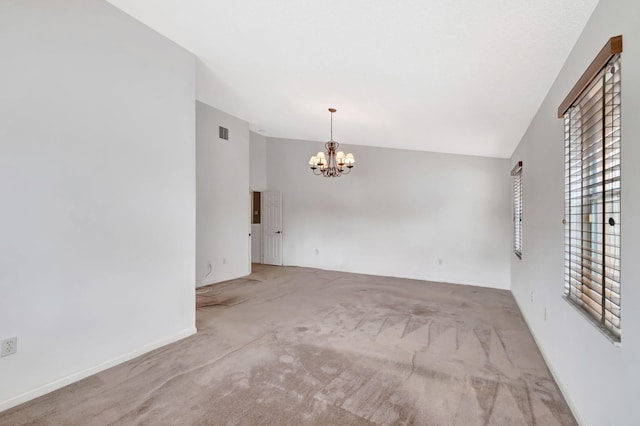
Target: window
pixel 517 209
pixel 592 192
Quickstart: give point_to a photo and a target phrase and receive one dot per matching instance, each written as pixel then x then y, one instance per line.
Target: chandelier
pixel 334 163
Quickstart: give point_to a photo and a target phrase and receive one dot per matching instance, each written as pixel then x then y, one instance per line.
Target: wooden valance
pixel 516 168
pixel 612 47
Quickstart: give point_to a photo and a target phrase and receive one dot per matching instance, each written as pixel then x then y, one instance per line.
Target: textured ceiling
pixel 456 76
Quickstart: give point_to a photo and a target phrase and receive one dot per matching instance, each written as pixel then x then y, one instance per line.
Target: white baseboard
pixel 222 279
pixel 57 384
pixel 563 390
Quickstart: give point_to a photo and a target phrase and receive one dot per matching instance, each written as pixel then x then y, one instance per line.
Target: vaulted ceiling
pixel 456 76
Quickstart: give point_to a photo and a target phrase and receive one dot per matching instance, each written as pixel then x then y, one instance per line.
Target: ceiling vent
pixel 223 133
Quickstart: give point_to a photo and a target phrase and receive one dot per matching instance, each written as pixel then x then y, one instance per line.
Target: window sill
pixel 606 333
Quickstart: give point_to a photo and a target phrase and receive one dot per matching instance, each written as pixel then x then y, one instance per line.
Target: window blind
pixel 592 199
pixel 516 172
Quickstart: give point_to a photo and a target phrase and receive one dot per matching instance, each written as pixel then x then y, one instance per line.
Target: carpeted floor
pixel 290 346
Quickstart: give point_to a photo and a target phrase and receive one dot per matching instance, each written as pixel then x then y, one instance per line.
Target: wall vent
pixel 223 133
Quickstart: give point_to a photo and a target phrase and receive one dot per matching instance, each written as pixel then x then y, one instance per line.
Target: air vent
pixel 224 133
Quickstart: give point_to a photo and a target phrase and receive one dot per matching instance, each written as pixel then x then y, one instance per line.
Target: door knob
pixel 278 232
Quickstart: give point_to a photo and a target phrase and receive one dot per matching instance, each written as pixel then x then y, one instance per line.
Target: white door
pixel 251 236
pixel 272 227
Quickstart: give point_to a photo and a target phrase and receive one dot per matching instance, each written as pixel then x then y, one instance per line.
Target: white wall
pixel 599 380
pixel 258 181
pixel 258 162
pixel 97 177
pixel 256 243
pixel 223 197
pixel 399 213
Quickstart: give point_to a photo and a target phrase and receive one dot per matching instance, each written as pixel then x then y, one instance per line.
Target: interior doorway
pixel 256 227
pixel 266 227
pixel 271 222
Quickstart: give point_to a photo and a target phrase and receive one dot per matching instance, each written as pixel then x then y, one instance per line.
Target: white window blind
pixel 592 199
pixel 516 173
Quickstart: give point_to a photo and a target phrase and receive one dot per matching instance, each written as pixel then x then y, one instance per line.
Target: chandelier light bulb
pixel 349 159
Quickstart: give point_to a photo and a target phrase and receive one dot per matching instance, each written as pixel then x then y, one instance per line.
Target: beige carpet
pixel 304 346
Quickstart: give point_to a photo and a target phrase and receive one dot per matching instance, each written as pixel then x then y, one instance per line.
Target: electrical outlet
pixel 9 346
pixel 531 297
